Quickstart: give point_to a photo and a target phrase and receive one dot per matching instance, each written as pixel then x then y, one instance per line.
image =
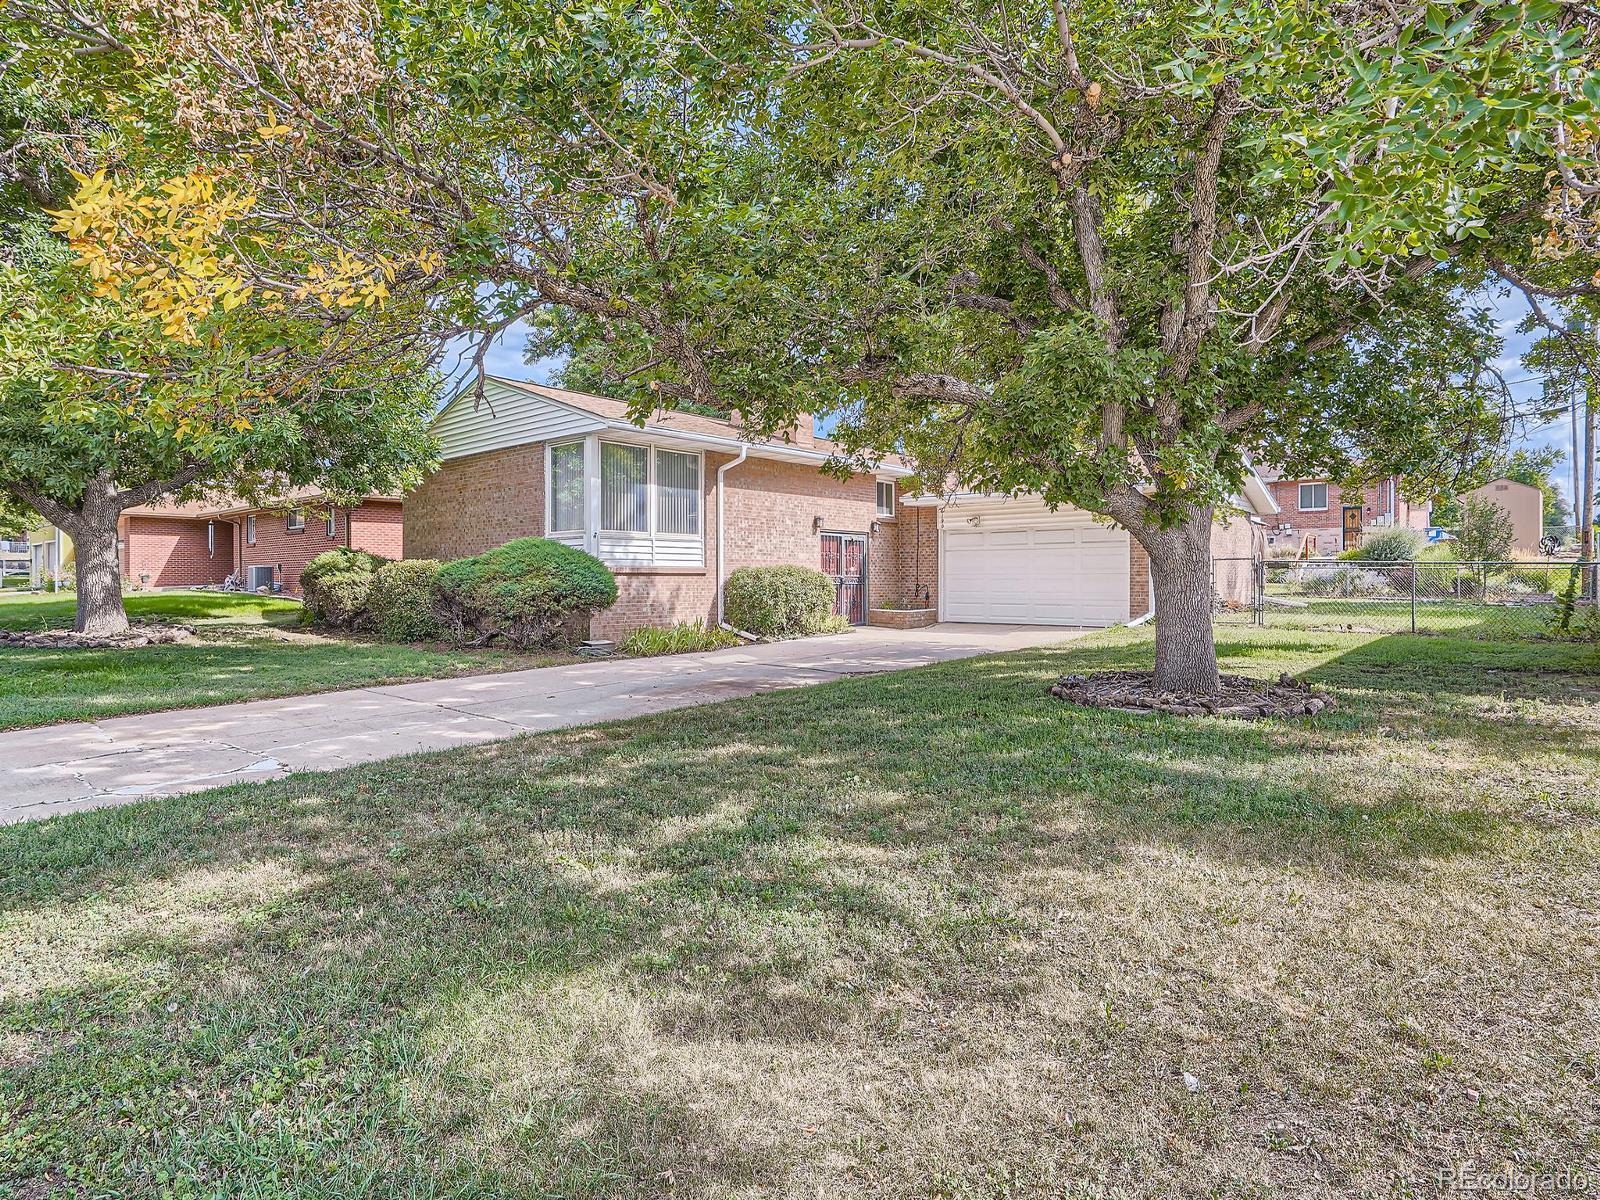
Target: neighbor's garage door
pixel 1019 563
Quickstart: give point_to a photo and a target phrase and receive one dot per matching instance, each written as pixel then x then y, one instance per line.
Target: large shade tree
pixel 165 333
pixel 1105 253
pixel 141 362
pixel 1089 250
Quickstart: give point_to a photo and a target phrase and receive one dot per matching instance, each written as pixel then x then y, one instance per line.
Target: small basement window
pixel 1313 497
pixel 885 498
pixel 297 520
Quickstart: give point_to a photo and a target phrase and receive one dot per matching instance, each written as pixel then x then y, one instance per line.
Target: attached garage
pixel 1016 562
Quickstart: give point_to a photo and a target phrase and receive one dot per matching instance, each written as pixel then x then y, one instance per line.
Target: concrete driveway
pixel 61 768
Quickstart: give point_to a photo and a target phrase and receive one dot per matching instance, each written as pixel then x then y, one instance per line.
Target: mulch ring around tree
pixel 1240 696
pixel 139 633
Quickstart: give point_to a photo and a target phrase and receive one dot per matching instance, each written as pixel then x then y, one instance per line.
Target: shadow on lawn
pixel 754 868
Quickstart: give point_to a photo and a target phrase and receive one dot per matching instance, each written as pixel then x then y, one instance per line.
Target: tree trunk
pixel 99 565
pixel 99 562
pixel 1180 570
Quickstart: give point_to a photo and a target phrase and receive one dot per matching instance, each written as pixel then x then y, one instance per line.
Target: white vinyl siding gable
pixel 507 417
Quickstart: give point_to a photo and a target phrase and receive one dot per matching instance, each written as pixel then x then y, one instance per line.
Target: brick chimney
pixel 804 432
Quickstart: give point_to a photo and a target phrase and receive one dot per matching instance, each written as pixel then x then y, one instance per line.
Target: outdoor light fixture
pixel 874 527
pixel 974 521
pixel 816 524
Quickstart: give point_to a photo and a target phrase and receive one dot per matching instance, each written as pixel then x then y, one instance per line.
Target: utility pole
pixel 1577 475
pixel 1586 505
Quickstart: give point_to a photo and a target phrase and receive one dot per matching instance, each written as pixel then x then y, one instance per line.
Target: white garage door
pixel 1015 566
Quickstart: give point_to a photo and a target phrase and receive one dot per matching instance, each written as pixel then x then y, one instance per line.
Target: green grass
pixel 247 647
pixel 1295 610
pixel 929 934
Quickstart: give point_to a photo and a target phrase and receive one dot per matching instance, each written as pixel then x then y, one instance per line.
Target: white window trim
pixel 295 514
pixel 894 496
pixel 250 530
pixel 1300 496
pixel 650 538
pixel 330 524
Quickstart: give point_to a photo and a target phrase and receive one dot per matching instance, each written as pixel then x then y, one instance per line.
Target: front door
pixel 844 560
pixel 1352 526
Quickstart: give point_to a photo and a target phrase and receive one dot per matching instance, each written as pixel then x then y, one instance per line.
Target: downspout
pixel 722 487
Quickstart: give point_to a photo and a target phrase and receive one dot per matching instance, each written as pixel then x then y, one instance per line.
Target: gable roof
pixel 516 412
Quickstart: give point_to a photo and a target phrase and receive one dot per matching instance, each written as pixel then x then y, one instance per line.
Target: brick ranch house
pixel 1332 519
pixel 202 542
pixel 677 504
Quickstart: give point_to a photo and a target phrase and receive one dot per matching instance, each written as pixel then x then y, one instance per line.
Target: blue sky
pixel 506 358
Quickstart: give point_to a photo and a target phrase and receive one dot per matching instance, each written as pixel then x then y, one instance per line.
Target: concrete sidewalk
pixel 61 768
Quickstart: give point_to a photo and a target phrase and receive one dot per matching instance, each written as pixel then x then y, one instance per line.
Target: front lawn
pixel 929 934
pixel 247 647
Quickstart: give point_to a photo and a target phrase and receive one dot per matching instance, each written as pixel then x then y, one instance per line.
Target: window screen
pixel 624 488
pixel 677 492
pixel 566 486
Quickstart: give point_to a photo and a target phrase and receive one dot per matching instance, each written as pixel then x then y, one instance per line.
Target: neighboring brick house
pixel 535 461
pixel 204 542
pixel 1322 517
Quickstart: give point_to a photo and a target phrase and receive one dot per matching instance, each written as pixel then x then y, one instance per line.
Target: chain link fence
pixel 1474 599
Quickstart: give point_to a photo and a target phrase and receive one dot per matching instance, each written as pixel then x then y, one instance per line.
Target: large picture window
pixel 649 511
pixel 624 488
pixel 566 487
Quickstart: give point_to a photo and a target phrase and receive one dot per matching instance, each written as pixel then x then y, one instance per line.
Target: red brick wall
pixel 772 507
pixel 476 503
pixel 1291 524
pixel 374 526
pixel 172 552
pixel 378 527
pixel 905 559
pixel 1138 579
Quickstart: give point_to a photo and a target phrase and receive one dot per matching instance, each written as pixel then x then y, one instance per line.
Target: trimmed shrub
pixel 530 592
pixel 1391 545
pixel 686 638
pixel 400 607
pixel 779 602
pixel 336 585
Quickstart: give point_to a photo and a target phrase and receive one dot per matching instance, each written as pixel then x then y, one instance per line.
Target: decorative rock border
pixel 139 634
pixel 1240 696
